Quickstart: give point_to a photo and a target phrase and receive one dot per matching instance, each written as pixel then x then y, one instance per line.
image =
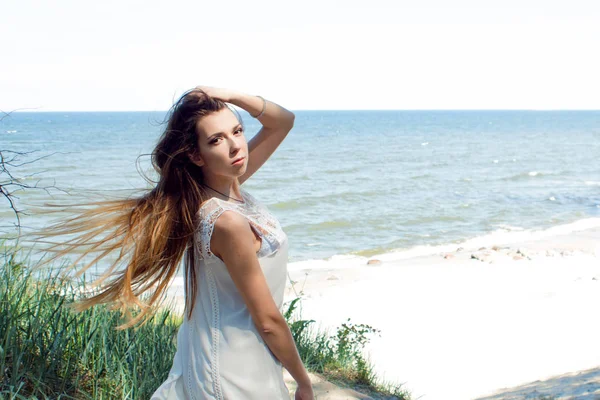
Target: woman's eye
pixel 240 130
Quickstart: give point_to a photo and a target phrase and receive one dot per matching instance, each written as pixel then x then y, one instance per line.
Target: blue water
pixel 350 182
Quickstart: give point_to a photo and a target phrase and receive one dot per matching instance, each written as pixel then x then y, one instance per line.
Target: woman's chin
pixel 241 171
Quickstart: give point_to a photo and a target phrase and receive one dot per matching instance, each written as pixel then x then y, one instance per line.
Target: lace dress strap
pixel 260 219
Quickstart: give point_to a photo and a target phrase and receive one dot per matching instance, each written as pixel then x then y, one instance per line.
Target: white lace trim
pixel 214 299
pixel 257 214
pixel 189 381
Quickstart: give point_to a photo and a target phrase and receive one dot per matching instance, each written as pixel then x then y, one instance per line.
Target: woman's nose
pixel 234 144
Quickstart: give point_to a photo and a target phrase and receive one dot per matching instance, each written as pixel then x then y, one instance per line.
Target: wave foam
pixel 505 234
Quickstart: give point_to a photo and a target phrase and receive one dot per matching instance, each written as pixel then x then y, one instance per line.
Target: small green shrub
pixel 339 357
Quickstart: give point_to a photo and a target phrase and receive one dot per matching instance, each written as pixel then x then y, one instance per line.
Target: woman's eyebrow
pixel 220 133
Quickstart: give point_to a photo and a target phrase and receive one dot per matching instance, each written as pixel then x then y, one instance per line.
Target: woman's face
pixel 221 141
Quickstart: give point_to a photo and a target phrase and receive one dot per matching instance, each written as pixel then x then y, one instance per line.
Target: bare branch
pixel 10 184
pixel 7 114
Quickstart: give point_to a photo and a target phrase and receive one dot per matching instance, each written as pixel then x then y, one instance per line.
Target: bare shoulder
pixel 234 244
pixel 230 222
pixel 231 231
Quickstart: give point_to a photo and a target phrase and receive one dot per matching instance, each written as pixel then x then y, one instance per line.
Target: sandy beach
pixel 516 318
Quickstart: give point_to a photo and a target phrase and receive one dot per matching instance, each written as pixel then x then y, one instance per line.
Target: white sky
pixel 370 54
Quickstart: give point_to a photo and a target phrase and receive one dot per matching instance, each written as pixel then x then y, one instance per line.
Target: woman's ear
pixel 196 159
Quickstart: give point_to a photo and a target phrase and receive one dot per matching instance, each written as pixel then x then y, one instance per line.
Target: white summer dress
pixel 220 354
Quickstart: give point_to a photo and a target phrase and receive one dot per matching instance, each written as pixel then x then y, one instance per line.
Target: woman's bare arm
pixel 276 124
pixel 233 241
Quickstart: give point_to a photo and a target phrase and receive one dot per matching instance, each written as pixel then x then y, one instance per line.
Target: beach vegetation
pixel 48 351
pixel 340 357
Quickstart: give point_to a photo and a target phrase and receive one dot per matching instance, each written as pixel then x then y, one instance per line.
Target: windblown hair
pixel 152 233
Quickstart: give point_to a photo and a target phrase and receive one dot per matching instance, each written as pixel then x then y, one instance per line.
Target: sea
pixel 345 185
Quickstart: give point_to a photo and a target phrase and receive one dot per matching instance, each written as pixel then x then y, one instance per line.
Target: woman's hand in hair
pixel 217 93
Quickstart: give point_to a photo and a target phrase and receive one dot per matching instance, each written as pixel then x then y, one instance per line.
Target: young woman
pixel 233 341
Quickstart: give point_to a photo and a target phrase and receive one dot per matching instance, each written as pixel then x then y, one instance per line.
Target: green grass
pixel 49 352
pixel 340 357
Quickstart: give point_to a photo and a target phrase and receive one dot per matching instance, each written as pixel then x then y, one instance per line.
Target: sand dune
pixel 469 323
pixel 463 324
pixel 583 385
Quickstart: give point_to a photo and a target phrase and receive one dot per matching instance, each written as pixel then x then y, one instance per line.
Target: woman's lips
pixel 240 161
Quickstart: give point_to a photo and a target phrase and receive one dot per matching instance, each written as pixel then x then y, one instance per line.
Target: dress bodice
pixel 259 217
pixel 219 346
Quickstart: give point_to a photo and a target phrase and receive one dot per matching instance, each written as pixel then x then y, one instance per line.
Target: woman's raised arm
pixel 276 123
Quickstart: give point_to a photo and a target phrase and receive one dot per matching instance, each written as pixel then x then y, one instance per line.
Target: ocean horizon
pixel 349 184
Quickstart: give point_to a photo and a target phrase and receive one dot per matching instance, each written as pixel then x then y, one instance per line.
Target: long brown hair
pixel 153 232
